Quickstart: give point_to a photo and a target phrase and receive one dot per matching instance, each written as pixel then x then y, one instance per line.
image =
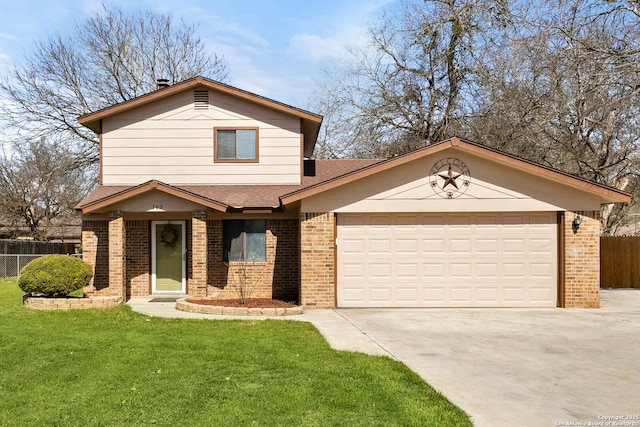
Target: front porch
pixel 123 250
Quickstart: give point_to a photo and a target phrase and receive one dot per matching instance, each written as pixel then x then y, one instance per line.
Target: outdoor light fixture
pixel 575 225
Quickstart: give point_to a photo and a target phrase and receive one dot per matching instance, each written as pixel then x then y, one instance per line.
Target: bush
pixel 55 275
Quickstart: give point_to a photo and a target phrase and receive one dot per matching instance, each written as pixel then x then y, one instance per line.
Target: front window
pixel 236 145
pixel 244 240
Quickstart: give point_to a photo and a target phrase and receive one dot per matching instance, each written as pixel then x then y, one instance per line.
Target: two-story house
pixel 201 181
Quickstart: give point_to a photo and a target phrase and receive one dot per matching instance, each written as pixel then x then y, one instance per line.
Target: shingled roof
pixel 226 197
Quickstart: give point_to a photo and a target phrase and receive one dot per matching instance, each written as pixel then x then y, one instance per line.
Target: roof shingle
pixel 245 196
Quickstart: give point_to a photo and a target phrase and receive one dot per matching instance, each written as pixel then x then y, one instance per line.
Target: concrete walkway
pixel 504 367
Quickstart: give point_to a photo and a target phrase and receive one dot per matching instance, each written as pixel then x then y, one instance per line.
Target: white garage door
pixel 447 260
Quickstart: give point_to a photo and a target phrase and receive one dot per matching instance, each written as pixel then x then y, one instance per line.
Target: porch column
pixel 198 280
pixel 117 255
pixel 317 260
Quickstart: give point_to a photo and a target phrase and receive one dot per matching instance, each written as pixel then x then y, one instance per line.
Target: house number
pixel 157 206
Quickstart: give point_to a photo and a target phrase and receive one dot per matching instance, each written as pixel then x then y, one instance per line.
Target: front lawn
pixel 112 367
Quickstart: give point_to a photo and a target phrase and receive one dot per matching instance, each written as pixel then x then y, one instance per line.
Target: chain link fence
pixel 11 264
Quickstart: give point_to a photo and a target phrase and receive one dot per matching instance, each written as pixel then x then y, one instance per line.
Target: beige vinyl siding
pixel 169 160
pixel 493 187
pixel 167 174
pixel 172 142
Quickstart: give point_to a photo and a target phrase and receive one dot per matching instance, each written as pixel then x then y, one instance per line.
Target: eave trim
pixel 91 120
pixel 146 187
pixel 606 194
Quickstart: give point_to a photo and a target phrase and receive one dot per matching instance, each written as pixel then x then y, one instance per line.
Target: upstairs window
pixel 235 145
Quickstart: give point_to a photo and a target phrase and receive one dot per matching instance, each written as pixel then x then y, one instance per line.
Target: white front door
pixel 168 257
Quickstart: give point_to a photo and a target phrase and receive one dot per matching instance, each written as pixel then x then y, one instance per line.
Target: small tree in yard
pixel 241 281
pixel 55 275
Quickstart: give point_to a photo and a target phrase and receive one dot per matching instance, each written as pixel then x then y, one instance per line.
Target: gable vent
pixel 201 99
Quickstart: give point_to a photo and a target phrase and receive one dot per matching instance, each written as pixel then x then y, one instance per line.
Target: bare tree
pixel 241 281
pixel 40 183
pixel 110 58
pixel 554 82
pixel 561 93
pixel 415 81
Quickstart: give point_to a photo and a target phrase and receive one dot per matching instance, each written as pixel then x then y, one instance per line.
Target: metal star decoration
pixel 449 178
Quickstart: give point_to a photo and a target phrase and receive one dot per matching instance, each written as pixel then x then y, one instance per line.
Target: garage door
pixel 447 260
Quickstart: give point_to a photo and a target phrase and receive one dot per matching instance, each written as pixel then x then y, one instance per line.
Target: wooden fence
pixel 23 247
pixel 620 261
pixel 15 254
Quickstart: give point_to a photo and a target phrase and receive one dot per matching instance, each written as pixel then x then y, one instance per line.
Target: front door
pixel 168 257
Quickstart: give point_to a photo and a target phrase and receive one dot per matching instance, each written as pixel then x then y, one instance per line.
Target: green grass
pixel 112 367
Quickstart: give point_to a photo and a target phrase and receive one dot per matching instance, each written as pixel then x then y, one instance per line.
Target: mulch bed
pixel 249 303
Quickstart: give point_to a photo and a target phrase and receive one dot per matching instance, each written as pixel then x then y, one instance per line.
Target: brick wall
pixel 284 248
pixel 138 245
pixel 117 254
pixel 582 260
pixel 278 277
pixel 198 245
pixel 317 260
pixel 95 251
pixel 313 286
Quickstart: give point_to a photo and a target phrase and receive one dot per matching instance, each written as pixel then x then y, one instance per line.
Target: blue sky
pixel 274 48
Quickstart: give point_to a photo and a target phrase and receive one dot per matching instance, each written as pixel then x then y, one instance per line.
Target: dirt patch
pixel 249 303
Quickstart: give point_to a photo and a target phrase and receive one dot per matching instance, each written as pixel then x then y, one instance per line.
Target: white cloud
pixel 341 29
pixel 213 24
pixel 262 71
pixel 314 47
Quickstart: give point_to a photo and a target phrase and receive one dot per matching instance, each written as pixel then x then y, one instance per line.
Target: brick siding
pixel 277 277
pixel 300 262
pixel 95 251
pixel 117 255
pixel 138 258
pixel 317 260
pixel 197 283
pixel 582 260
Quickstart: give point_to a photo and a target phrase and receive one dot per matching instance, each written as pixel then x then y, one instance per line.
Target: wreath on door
pixel 169 236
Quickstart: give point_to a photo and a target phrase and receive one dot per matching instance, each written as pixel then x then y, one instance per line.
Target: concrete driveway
pixel 522 367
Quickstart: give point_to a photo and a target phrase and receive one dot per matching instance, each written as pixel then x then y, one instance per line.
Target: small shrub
pixel 55 275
